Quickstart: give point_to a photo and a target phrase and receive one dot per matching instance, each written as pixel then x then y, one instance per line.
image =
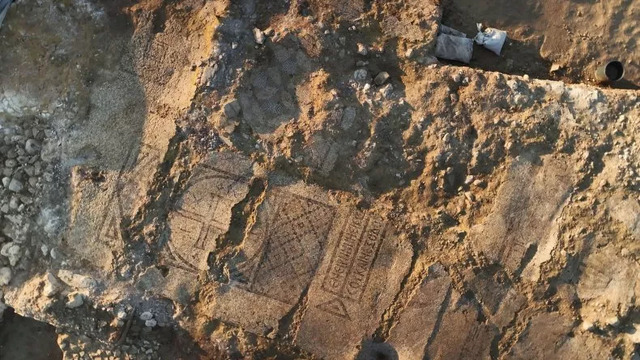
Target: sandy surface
pixel 305 180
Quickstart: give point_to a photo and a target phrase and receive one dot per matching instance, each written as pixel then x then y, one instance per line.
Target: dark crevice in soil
pixel 400 301
pixel 227 244
pixel 289 325
pixel 163 193
pixel 436 327
pixel 26 338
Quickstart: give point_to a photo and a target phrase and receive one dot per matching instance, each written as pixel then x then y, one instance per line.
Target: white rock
pixel 409 52
pixel 77 280
pixel 150 323
pixel 147 315
pixel 74 300
pixel 51 285
pixel 613 321
pixel 362 49
pixel 468 180
pixel 5 276
pixel 258 36
pixel 121 315
pixel 587 326
pixel 14 203
pixel 11 250
pixel 15 185
pixel 10 163
pixel 361 75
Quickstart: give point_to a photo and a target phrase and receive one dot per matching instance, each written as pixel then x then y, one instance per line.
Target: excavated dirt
pixel 555 40
pixel 305 180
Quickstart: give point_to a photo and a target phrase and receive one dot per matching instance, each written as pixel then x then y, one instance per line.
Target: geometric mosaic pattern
pixel 292 234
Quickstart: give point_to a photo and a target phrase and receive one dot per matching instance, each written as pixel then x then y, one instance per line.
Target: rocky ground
pixel 304 179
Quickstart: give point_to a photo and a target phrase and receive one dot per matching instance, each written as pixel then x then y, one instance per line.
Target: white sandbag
pixel 444 29
pixel 454 48
pixel 490 38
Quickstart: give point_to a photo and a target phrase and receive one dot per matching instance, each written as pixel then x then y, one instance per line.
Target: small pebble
pixel 469 179
pixel 15 185
pixel 381 78
pixel 147 315
pixel 409 52
pixel 258 36
pixel 32 147
pixel 362 49
pixel 387 91
pixel 150 323
pixel 74 300
pixel 360 75
pixel 587 326
pixel 5 276
pixel 613 321
pixel 51 285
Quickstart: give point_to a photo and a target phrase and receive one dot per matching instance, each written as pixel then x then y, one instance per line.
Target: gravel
pixel 15 185
pixel 5 276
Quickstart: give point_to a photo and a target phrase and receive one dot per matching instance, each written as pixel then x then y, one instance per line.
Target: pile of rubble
pixel 24 175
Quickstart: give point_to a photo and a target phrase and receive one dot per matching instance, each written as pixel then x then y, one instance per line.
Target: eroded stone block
pixel 497 296
pixel 98 214
pixel 417 321
pixel 608 285
pixel 528 201
pixel 459 334
pixel 547 336
pixel 358 279
pixel 627 211
pixel 201 216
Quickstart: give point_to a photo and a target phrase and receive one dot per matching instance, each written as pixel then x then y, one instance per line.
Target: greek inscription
pixel 353 256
